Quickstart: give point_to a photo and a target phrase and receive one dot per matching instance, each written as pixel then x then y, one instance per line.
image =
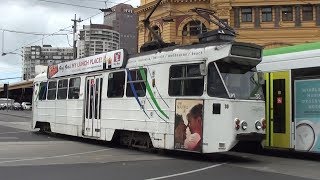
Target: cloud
pixel 45 17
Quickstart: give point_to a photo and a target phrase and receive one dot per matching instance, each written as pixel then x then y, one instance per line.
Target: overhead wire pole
pixel 75 21
pixel 52 34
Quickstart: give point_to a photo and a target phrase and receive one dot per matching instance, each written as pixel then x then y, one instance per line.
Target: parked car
pixel 3 106
pixel 17 106
pixel 26 105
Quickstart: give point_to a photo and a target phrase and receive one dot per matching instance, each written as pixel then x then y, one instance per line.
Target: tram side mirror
pixel 203 69
pixel 259 78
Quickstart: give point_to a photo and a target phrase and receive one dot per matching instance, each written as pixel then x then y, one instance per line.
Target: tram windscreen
pixel 241 81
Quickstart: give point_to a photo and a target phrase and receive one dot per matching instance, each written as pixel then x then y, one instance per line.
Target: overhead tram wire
pixel 31 33
pixel 52 34
pixel 112 2
pixel 60 29
pixel 10 78
pixel 62 3
pixel 68 4
pixel 99 1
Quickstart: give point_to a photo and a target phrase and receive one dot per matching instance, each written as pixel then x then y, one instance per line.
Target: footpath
pixel 25 113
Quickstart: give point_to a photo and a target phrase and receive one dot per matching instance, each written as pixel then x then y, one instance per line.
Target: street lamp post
pixel 4 54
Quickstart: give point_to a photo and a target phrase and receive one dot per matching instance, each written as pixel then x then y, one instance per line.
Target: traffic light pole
pixel 7 93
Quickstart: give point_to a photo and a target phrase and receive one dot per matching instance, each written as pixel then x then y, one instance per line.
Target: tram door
pixel 92 121
pixel 278 109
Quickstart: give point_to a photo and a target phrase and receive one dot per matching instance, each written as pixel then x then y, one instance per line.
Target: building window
pixel 307 13
pixel 287 14
pixel 62 89
pixel 116 84
pixel 52 90
pixel 74 88
pixel 246 14
pixel 266 14
pixel 193 28
pixel 185 80
pixel 137 83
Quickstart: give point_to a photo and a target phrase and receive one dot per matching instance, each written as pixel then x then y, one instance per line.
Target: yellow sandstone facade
pixel 270 23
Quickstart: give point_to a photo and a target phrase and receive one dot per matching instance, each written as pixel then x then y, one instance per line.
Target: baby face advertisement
pixel 188 125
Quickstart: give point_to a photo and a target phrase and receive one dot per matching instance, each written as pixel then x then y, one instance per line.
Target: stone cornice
pixel 151 5
pixel 272 2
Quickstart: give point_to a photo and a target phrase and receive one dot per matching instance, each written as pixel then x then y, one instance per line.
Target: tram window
pixel 215 84
pixel 52 90
pixel 185 80
pixel 62 89
pixel 43 91
pixel 116 84
pixel 74 88
pixel 137 83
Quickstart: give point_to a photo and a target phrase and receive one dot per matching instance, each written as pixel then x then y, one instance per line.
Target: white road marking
pixel 51 157
pixel 7 138
pixel 14 132
pixel 187 172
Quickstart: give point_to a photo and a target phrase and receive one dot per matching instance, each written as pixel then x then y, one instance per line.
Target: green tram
pixel 292 92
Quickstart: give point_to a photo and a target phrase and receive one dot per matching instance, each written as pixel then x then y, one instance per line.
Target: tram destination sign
pixel 109 60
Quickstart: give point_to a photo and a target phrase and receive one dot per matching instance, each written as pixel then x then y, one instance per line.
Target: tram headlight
pixel 237 123
pixel 244 125
pixel 258 125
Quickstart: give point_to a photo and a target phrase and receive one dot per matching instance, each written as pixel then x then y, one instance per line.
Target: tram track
pixel 9 113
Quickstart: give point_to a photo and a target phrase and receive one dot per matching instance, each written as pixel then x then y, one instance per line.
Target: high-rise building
pixel 124 20
pixel 46 55
pixel 96 39
pixel 267 23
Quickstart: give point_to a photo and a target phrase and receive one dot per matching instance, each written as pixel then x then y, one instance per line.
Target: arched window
pixel 156 29
pixel 193 28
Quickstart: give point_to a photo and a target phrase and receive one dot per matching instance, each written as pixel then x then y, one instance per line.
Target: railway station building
pixel 267 23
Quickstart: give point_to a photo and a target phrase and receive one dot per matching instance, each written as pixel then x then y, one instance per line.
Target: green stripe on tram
pixel 292 49
pixel 144 77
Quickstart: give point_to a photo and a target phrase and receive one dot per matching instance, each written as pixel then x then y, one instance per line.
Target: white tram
pixel 202 98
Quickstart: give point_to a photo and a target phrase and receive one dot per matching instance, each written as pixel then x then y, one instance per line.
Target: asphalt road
pixel 27 154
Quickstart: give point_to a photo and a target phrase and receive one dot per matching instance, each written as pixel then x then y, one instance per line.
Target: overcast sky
pixel 41 17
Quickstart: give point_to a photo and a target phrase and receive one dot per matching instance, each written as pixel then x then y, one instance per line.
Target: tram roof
pixel 292 49
pixel 292 57
pixel 120 59
pixel 192 46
